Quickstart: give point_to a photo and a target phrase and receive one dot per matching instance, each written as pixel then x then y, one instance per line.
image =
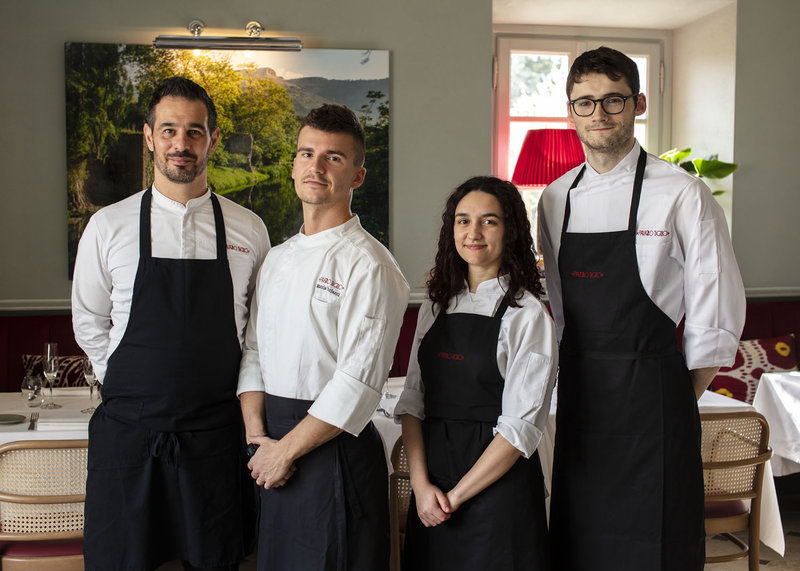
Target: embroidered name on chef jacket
pixel 330 285
pixel 653 233
pixel 237 248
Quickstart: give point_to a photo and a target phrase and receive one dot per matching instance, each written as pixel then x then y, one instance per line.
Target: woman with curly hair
pixel 477 393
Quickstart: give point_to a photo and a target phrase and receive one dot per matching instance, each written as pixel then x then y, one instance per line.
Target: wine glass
pixel 31 389
pixel 50 368
pixel 91 380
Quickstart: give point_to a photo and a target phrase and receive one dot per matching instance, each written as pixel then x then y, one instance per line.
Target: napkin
pixel 69 391
pixel 63 420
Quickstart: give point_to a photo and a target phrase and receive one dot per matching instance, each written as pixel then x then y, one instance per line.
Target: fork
pixel 34 418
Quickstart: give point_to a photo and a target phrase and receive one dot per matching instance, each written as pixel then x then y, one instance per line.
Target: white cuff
pixel 250 373
pixel 521 435
pixel 707 347
pixel 346 403
pixel 411 402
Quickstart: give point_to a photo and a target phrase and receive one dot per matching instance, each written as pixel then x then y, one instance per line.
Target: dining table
pixel 771 525
pixel 65 423
pixel 778 399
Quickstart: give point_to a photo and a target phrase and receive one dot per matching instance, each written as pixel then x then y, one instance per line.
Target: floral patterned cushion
pixel 70 369
pixel 755 357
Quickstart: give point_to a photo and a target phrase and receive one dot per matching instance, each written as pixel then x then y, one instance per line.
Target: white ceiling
pixel 653 14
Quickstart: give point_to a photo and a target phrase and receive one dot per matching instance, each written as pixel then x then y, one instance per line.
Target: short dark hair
pixel 338 119
pixel 187 89
pixel 449 272
pixel 611 63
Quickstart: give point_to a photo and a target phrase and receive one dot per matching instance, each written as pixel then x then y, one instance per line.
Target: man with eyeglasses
pixel 632 244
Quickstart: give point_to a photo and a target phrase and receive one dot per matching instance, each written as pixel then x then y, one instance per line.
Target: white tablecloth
pixel 771 526
pixel 778 399
pixel 74 423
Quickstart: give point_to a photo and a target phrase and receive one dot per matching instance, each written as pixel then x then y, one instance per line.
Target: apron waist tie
pixel 168 445
pixel 619 355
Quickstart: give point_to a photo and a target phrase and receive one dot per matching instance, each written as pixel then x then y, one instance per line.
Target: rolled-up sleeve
pixel 91 298
pixel 713 289
pixel 369 324
pixel 529 349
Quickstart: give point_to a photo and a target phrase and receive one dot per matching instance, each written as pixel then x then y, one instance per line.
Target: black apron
pixel 503 528
pixel 333 513
pixel 627 475
pixel 167 477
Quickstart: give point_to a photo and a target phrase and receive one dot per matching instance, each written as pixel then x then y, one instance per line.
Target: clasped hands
pixel 270 466
pixel 433 505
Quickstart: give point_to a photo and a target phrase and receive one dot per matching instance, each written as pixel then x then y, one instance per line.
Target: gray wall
pixel 766 200
pixel 441 109
pixel 703 88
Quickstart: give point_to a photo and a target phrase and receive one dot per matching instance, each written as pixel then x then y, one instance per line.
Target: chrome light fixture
pixel 253 41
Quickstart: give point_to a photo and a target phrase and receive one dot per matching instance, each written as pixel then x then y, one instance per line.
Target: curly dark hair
pixel 446 278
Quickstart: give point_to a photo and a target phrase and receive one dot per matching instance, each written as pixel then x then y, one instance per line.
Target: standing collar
pixel 329 235
pixel 627 164
pixel 175 206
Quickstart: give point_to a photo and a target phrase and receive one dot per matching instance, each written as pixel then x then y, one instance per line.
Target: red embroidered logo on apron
pixel 587 275
pixel 450 356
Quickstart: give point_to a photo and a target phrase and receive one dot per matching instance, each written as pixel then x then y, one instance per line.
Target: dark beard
pixel 178 175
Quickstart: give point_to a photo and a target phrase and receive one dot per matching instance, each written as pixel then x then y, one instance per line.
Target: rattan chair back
pixel 42 489
pixel 735 447
pixel 399 498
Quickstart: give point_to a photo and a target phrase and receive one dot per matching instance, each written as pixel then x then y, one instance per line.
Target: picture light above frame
pixel 253 41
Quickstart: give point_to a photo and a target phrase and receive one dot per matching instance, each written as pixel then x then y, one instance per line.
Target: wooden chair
pixel 735 447
pixel 399 498
pixel 42 493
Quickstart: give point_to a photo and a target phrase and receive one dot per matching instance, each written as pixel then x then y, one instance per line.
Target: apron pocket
pixel 115 444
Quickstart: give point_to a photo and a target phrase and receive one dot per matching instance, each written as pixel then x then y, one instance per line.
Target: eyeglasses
pixel 612 104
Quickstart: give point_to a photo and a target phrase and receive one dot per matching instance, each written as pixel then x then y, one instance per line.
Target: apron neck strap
pixel 145 250
pixel 502 309
pixel 567 208
pixel 219 225
pixel 637 190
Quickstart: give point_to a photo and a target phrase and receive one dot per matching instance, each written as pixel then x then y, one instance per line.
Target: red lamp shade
pixel 547 154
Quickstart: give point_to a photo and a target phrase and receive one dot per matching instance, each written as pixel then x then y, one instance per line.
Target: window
pixel 531 84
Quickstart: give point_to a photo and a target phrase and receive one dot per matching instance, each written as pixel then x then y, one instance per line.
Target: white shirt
pixel 108 257
pixel 686 260
pixel 527 358
pixel 326 315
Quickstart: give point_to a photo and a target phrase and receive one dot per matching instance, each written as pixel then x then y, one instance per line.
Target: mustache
pixel 183 155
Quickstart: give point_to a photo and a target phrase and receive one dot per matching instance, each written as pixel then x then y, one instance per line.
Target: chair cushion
pixel 753 358
pixel 70 369
pixel 728 508
pixel 52 548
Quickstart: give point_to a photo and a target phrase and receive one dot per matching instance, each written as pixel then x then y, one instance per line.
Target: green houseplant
pixel 708 167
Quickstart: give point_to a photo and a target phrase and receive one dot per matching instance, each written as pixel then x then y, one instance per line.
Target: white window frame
pixel 655 45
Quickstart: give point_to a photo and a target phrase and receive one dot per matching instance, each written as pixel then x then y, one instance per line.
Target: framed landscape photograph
pixel 261 99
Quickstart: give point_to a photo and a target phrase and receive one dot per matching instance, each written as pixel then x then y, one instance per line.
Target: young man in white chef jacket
pixel 324 322
pixel 632 244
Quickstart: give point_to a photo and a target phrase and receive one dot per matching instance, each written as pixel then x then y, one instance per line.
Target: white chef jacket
pixel 527 358
pixel 324 322
pixel 108 257
pixel 683 247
